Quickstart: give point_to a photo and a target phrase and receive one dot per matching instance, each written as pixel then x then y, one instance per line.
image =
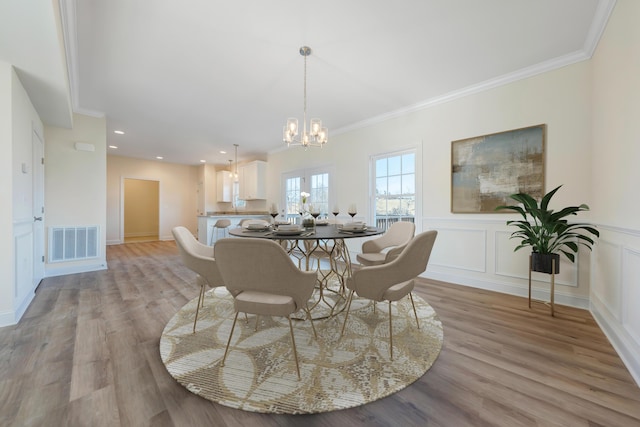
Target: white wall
pixel 6 213
pixel 472 249
pixel 615 293
pixel 178 193
pixel 75 183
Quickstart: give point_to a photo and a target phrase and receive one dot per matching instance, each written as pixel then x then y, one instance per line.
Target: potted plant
pixel 548 232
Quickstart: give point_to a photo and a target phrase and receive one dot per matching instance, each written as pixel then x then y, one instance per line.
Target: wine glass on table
pixel 335 212
pixel 353 210
pixel 274 213
pixel 315 213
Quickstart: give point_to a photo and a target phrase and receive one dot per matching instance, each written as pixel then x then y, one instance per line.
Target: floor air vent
pixel 73 243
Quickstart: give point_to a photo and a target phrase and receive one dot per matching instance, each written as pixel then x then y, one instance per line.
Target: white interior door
pixel 38 208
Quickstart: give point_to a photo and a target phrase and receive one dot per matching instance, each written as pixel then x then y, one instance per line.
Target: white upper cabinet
pixel 252 180
pixel 224 186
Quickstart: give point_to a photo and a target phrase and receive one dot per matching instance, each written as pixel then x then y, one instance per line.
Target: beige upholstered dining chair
pixel 198 258
pixel 264 281
pixel 396 237
pixel 394 280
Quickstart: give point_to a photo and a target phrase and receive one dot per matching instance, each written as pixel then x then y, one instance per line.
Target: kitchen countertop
pixel 234 213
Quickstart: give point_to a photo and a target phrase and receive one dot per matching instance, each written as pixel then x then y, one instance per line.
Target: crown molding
pixel 598 25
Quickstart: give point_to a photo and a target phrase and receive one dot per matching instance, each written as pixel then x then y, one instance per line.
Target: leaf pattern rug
pixel 336 372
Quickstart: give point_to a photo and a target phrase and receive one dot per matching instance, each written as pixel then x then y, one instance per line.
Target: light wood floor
pixel 86 354
pixel 141 239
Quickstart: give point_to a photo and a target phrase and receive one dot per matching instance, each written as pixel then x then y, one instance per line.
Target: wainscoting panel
pixel 23 285
pixel 516 264
pixel 460 248
pixel 631 292
pixel 607 284
pixel 23 247
pixel 615 291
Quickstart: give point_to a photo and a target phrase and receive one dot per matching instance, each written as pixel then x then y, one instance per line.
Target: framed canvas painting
pixel 486 170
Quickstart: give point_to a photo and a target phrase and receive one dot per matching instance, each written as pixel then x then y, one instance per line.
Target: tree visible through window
pixel 395 188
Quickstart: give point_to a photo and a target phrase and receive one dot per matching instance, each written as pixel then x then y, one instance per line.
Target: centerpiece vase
pixel 307 218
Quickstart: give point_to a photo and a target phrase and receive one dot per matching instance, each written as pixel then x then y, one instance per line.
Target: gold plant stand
pixel 553 281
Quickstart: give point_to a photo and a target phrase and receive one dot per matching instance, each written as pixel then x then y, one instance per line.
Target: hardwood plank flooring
pixel 86 354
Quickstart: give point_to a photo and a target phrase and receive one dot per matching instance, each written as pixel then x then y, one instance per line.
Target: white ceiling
pixel 187 79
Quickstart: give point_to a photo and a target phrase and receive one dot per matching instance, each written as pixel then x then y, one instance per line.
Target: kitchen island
pixel 205 222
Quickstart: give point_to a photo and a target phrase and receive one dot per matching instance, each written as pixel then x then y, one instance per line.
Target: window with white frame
pixel 394 190
pixel 237 201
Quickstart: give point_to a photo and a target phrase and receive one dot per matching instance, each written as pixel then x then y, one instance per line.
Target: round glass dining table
pixel 322 242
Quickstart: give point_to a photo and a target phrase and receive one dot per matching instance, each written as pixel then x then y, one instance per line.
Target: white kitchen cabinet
pixel 224 185
pixel 252 180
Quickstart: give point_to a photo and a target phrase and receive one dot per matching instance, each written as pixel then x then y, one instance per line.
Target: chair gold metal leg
pixel 346 316
pixel 246 319
pixel 256 327
pixel 390 333
pixel 415 313
pixel 203 289
pixel 229 340
pixel 311 320
pixel 295 352
pixel 200 298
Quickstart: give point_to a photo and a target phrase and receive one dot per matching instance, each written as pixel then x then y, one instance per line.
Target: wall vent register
pixel 73 243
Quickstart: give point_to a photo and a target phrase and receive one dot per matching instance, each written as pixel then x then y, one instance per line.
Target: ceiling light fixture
pixel 317 135
pixel 230 169
pixel 236 173
pixel 119 132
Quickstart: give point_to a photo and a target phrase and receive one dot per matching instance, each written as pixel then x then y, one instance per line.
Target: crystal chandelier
pixel 316 135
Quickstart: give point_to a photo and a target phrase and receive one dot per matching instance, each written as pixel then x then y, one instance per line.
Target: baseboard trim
pixel 624 345
pixel 9 318
pixel 74 269
pixel 505 288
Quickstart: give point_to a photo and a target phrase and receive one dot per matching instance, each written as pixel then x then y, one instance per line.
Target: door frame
pixel 38 209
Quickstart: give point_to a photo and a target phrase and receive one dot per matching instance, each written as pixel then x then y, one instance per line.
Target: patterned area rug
pixel 337 373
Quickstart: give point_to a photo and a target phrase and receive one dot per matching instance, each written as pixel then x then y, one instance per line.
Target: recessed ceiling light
pixel 223 152
pixel 113 146
pixel 203 161
pixel 119 132
pixel 159 157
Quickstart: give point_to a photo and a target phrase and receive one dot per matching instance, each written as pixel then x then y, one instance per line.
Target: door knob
pixel 37 218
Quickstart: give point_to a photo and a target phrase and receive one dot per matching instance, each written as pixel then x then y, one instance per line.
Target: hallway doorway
pixel 141 210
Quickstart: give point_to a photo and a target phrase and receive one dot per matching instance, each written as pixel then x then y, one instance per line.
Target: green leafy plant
pixel 547 231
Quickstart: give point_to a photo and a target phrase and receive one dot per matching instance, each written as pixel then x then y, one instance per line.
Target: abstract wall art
pixel 486 170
